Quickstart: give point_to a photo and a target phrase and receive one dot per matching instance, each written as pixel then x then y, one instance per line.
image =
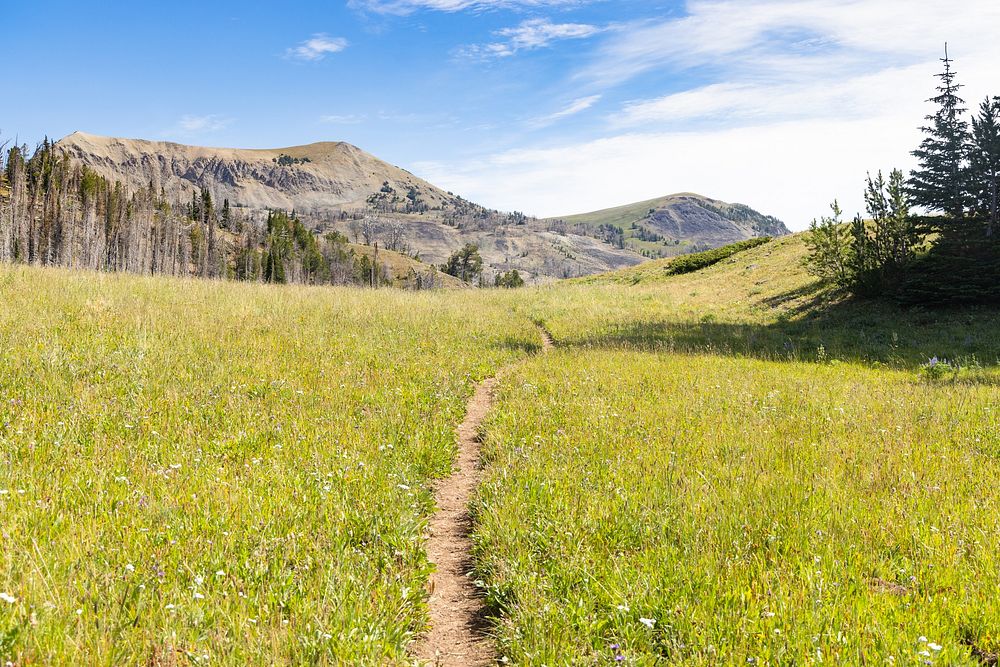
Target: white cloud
pixel 790 103
pixel 404 7
pixel 789 170
pixel 573 108
pixel 529 35
pixel 342 119
pixel 317 47
pixel 804 35
pixel 807 97
pixel 191 124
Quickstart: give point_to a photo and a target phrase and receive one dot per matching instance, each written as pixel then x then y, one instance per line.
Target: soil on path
pixel 459 630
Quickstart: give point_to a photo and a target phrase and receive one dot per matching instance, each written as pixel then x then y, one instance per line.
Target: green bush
pixel 700 260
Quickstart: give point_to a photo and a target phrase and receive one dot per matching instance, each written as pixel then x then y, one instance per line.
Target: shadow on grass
pixel 516 344
pixel 818 330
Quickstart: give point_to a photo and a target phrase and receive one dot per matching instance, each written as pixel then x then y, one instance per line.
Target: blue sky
pixel 547 106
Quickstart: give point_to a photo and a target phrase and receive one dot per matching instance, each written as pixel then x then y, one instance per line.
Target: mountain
pixel 328 176
pixel 675 224
pixel 337 186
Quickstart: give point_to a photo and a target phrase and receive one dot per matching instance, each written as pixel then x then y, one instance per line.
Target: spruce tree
pixel 984 163
pixel 938 184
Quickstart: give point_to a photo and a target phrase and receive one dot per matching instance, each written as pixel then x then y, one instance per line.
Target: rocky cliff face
pixel 709 222
pixel 319 177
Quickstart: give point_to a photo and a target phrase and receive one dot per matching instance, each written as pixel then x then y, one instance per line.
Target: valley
pixel 246 472
pixel 334 186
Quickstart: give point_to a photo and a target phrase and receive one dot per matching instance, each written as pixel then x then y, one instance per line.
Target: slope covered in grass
pixel 736 466
pixel 759 303
pixel 708 510
pixel 194 471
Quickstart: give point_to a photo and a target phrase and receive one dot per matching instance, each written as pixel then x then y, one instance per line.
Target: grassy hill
pixel 727 467
pixel 677 224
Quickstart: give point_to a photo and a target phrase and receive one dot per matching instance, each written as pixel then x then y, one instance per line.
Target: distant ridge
pixel 333 184
pixel 686 221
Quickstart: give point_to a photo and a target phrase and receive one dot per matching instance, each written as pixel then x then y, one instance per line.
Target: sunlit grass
pixel 751 512
pixel 195 471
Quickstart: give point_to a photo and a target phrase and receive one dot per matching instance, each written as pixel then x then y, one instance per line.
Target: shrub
pixel 700 260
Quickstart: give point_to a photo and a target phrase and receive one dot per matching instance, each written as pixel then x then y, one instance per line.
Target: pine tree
pixel 939 182
pixel 830 249
pixel 984 162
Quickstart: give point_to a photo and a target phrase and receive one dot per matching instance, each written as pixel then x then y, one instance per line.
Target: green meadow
pixel 731 466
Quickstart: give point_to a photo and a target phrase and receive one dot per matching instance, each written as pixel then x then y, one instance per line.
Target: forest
pixel 57 213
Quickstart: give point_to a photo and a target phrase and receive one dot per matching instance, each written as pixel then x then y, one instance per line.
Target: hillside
pixel 675 224
pixel 335 186
pixel 328 176
pixel 274 456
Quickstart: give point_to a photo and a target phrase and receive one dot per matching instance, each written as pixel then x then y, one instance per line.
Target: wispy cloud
pixel 346 119
pixel 529 35
pixel 404 7
pixel 190 124
pixel 573 108
pixel 747 35
pixel 317 47
pixel 781 104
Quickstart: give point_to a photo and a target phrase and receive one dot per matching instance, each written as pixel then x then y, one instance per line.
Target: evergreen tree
pixel 829 249
pixel 466 263
pixel 509 280
pixel 938 184
pixel 984 163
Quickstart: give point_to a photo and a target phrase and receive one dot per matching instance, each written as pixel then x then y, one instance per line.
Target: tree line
pixel 54 212
pixel 931 238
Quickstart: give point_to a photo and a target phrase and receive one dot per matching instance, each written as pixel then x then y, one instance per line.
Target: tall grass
pixel 704 510
pixel 204 472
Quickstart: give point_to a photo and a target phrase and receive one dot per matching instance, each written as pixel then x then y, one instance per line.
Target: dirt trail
pixel 458 632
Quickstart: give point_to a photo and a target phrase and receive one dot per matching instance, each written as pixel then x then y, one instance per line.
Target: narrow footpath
pixel 458 632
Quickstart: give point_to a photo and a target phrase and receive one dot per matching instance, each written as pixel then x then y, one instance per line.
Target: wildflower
pixel 648 622
pixel 925 653
pixel 220 573
pixel 934 647
pixel 198 596
pixel 169 606
pixel 623 607
pixel 130 568
pixel 921 638
pixel 8 598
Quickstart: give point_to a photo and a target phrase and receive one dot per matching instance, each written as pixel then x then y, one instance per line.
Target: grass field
pixel 197 472
pixel 193 472
pixel 753 512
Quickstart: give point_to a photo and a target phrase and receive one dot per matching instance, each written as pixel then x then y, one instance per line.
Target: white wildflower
pixel 648 622
pixel 8 598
